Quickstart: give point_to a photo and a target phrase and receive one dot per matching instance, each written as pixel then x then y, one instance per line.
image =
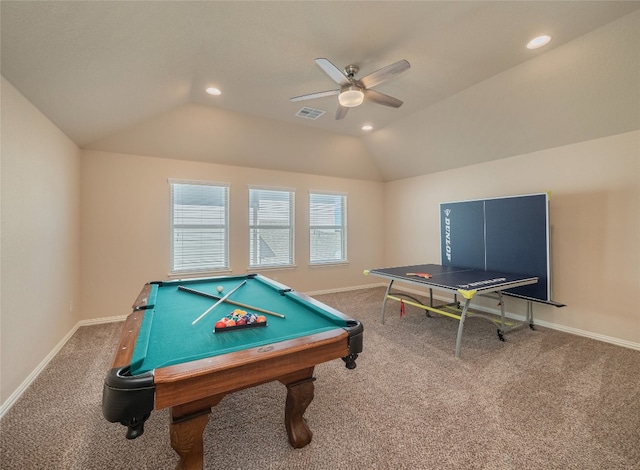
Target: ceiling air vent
pixel 310 113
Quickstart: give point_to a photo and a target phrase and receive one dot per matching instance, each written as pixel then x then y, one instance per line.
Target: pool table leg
pixel 186 428
pixel 299 396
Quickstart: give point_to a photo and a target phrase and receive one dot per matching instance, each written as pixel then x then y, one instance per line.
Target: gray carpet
pixel 541 400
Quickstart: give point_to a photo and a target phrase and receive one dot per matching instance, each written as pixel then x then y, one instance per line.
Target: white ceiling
pixel 102 70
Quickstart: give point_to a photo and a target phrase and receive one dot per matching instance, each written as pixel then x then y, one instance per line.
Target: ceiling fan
pixel 352 91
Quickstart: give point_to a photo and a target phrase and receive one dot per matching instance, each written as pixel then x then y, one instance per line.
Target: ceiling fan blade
pixel 312 96
pixel 385 73
pixel 381 98
pixel 341 112
pixel 334 72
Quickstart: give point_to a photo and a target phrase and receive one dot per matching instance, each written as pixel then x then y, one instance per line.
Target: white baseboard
pixel 97 321
pixel 343 289
pixel 588 334
pixel 9 402
pixel 550 325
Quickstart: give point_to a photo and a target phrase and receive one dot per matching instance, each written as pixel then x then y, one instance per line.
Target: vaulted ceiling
pixel 130 77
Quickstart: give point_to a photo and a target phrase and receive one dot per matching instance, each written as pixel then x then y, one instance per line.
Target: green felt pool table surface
pixel 163 360
pixel 168 337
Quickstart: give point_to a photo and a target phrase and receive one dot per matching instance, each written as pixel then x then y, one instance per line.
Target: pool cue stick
pixel 232 302
pixel 219 302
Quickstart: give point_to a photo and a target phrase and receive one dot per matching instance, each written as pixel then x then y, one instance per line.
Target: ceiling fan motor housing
pixel 351 70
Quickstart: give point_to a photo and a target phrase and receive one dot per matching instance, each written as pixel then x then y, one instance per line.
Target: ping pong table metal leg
pixel 386 296
pixel 502 326
pixel 529 319
pixel 461 326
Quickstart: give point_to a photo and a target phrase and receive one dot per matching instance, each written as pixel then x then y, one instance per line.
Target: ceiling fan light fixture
pixel 351 96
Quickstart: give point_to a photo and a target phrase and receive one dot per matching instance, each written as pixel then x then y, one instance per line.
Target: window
pixel 199 226
pixel 327 228
pixel 270 227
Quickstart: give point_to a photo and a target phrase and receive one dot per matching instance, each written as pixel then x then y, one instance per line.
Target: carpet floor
pixel 540 400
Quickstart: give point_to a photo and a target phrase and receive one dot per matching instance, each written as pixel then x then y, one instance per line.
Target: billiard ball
pixel 220 288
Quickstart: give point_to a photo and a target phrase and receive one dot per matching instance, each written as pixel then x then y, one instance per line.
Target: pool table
pixel 165 360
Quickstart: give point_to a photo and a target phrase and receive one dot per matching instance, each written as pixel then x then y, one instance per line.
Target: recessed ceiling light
pixel 213 91
pixel 538 42
pixel 367 127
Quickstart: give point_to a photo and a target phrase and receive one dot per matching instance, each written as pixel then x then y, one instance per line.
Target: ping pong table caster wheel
pixel 500 336
pixel 532 326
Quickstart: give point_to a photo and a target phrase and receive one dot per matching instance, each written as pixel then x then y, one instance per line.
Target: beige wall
pixel 126 227
pixel 595 226
pixel 115 207
pixel 40 238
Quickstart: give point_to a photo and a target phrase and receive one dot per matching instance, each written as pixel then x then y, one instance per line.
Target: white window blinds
pixel 270 227
pixel 327 228
pixel 199 223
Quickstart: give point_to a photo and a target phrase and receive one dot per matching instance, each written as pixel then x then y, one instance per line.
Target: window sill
pixel 329 264
pixel 289 267
pixel 196 274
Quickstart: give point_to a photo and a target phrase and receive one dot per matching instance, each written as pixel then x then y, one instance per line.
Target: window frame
pixel 291 192
pixel 343 227
pixel 199 269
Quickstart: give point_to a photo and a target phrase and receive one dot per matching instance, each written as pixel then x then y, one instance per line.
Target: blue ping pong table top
pixel 453 278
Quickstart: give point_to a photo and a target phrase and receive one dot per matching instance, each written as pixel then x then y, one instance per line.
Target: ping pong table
pixel 457 281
